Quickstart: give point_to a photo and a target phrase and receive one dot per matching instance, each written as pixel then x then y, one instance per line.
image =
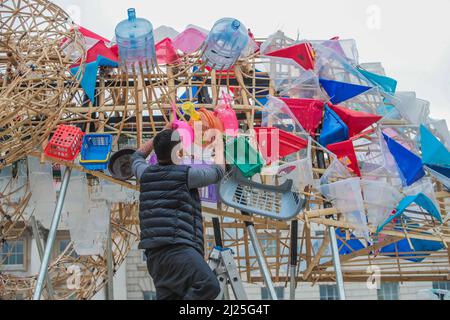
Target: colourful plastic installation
pixel 434 153
pixel 388 85
pixel 356 121
pixel 308 112
pixel 340 91
pixel 275 144
pixel 409 164
pixel 422 201
pixel 334 129
pixel 189 109
pixel 189 41
pixel 302 53
pixel 346 150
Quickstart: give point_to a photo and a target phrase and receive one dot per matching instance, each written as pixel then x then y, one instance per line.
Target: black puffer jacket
pixel 170 213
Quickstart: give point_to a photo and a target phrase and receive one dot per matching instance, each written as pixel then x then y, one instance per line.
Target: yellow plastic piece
pixel 189 109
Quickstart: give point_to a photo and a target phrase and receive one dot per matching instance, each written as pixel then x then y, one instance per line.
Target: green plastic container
pixel 241 154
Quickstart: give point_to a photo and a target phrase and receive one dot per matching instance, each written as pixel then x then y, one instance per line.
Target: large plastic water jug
pixel 136 43
pixel 225 43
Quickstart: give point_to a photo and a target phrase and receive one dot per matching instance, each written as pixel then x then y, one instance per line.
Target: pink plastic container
pixel 189 41
pixel 227 116
pixel 185 130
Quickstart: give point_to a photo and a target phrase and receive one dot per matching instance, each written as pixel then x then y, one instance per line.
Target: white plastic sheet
pixel 336 171
pixel 299 171
pixel 381 200
pixel 346 196
pixel 415 111
pixel 275 42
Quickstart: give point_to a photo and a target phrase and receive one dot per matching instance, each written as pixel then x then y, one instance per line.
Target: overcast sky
pixel 410 37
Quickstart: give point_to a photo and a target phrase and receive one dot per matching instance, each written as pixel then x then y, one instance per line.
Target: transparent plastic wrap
pixel 335 172
pixel 306 86
pixel 346 48
pixel 381 200
pixel 277 114
pixel 285 73
pixel 276 41
pixel 89 229
pixel 300 171
pixel 415 111
pixel 424 186
pixel 346 196
pixel 440 129
pixel 376 161
pixel 333 66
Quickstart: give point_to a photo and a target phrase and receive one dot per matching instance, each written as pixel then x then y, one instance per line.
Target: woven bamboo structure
pixel 134 106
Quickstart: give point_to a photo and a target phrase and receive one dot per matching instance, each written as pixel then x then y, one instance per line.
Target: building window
pixel 329 292
pixel 266 296
pixel 149 295
pixel 12 254
pixel 441 286
pixel 62 245
pixel 389 291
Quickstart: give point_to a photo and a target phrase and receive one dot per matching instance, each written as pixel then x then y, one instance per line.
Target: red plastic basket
pixel 65 144
pixel 275 144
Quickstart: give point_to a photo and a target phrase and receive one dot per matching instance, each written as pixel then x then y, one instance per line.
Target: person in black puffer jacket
pixel 171 221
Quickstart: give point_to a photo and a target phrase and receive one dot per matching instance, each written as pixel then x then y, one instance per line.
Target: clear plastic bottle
pixel 136 42
pixel 225 43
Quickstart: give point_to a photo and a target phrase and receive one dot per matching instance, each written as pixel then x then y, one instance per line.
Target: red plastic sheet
pixel 346 150
pixel 302 53
pixel 356 121
pixel 275 144
pixel 308 112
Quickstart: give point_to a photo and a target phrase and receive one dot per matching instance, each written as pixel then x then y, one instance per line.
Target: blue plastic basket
pixel 95 151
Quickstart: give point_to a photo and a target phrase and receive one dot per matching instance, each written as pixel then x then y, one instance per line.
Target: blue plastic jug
pixel 225 43
pixel 136 43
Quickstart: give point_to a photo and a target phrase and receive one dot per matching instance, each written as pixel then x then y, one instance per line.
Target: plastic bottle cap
pixel 236 24
pixel 131 14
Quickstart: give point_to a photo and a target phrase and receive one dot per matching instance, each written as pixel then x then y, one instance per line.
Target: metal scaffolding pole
pixel 294 258
pixel 40 248
pixel 333 239
pixel 262 261
pixel 110 259
pixel 52 235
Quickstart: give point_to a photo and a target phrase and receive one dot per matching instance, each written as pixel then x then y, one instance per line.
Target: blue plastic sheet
pixel 89 77
pixel 334 130
pixel 388 85
pixel 434 153
pixel 410 165
pixel 416 254
pixel 347 246
pixel 422 201
pixel 341 91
